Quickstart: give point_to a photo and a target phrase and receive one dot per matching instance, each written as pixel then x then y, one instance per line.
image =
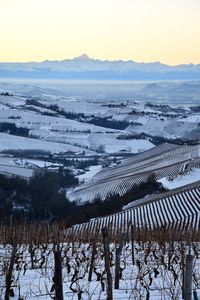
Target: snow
pixel 11 142
pixel 17 171
pixel 22 167
pixel 193 118
pixel 113 145
pixel 181 180
pixel 167 128
pixel 161 282
pixel 21 162
pixel 58 134
pixel 34 120
pixel 12 101
pixel 93 141
pixel 161 161
pixel 93 170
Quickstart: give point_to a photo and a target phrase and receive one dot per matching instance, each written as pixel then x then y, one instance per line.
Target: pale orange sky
pixel 140 30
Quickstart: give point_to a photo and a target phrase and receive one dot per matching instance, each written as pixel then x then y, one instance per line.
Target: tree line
pixel 43 197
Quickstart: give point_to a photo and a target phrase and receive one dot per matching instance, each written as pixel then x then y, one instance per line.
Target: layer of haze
pixel 140 30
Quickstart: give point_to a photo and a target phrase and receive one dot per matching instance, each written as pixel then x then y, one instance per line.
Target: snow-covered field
pixel 23 167
pixel 87 177
pixel 169 121
pixel 12 142
pixel 181 180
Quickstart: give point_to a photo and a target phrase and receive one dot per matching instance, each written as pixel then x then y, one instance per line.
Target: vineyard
pixel 43 262
pixel 145 252
pixel 162 161
pixel 178 209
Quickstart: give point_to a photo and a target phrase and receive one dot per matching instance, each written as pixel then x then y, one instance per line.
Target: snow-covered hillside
pixel 60 118
pixel 159 162
pixel 112 142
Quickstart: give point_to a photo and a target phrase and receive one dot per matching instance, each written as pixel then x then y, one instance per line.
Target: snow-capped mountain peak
pixel 82 57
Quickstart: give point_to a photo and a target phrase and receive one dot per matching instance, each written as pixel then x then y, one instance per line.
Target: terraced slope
pixel 178 209
pixel 164 160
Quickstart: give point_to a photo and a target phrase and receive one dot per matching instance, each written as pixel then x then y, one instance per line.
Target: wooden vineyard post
pixel 31 250
pixel 188 277
pixel 195 295
pixel 188 271
pixel 107 263
pixel 94 250
pixel 57 279
pixel 117 264
pixel 10 270
pixel 132 244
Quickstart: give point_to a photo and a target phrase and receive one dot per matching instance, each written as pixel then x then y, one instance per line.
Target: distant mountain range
pixel 85 68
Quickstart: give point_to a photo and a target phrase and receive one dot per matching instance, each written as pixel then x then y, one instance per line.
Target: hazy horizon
pixel 165 92
pixel 94 58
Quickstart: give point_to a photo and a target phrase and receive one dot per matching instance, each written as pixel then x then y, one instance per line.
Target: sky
pixel 140 30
